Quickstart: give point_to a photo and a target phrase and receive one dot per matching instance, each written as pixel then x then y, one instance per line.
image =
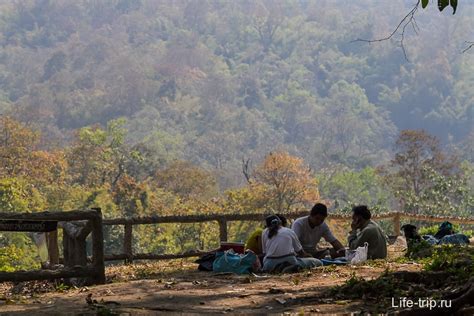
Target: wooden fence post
pixel 222 229
pixel 74 242
pixel 396 224
pixel 53 247
pixel 98 248
pixel 127 242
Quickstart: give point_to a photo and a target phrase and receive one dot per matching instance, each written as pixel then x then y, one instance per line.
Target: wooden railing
pixel 95 271
pixel 87 221
pixel 223 219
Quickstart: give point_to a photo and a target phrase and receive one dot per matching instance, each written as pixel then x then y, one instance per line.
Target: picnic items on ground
pixel 205 262
pixel 238 247
pixel 454 239
pixel 230 261
pixel 444 235
pixel 336 261
pixel 358 255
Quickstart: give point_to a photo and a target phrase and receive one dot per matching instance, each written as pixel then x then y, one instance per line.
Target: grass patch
pixel 458 261
pixel 359 288
pixel 446 269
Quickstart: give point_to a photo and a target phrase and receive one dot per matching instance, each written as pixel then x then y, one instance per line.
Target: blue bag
pixel 454 239
pixel 229 261
pixel 430 239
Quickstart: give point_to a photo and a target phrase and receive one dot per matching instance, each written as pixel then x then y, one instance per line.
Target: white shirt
pixel 310 237
pixel 283 243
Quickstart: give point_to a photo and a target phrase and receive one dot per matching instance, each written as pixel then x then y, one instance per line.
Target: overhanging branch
pixel 408 19
pixel 468 47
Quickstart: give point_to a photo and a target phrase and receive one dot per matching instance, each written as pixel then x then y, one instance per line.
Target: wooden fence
pixel 222 220
pixel 95 271
pixel 87 221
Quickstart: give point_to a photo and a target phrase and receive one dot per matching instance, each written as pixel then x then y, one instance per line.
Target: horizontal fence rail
pixel 223 219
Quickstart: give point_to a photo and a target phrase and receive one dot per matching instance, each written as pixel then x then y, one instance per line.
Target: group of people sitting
pixel 286 249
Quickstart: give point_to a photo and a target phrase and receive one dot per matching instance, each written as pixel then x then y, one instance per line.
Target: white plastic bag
pixel 359 255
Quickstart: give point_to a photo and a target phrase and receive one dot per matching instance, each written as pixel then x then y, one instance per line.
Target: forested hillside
pixel 147 106
pixel 213 82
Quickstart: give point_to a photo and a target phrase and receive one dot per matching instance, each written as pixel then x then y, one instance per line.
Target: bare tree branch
pixel 469 46
pixel 407 20
pixel 246 169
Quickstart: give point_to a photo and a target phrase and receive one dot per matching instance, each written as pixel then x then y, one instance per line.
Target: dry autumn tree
pixel 286 181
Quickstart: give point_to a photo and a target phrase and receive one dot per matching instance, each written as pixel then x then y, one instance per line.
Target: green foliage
pixel 16 195
pixel 419 249
pixel 426 180
pixel 380 288
pixel 457 260
pixel 443 4
pixel 14 258
pixel 429 230
pixel 12 196
pixel 433 229
pixel 348 187
pixel 444 195
pixel 61 288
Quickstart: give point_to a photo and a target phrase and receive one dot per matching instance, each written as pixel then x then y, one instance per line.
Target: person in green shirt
pixel 365 230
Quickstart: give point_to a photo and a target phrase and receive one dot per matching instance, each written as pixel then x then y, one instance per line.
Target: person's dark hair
pixel 273 223
pixel 283 220
pixel 362 211
pixel 319 209
pixel 410 232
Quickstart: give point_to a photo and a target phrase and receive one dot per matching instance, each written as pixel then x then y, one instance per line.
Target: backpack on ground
pixel 229 261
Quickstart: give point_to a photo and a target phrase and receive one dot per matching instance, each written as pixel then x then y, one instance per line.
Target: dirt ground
pixel 178 288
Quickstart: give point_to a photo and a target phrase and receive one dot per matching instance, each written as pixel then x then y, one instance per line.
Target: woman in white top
pixel 281 245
